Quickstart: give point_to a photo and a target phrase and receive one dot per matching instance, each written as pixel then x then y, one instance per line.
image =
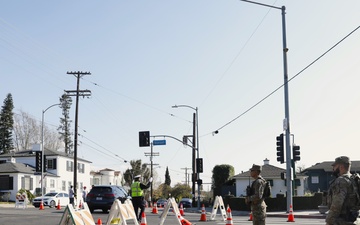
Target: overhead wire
pixel 271 93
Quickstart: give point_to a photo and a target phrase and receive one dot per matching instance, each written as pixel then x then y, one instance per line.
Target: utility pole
pixel 186 175
pixel 151 154
pixel 77 93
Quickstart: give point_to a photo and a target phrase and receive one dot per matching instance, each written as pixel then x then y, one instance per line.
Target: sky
pixel 223 57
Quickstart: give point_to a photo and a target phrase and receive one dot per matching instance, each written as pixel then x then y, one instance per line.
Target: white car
pixel 52 199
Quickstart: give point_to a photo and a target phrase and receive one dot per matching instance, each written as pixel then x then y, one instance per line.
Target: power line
pixel 301 71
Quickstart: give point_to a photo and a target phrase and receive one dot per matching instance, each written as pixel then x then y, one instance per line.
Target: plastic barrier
pixel 172 203
pixel 21 200
pixel 120 213
pixel 218 204
pixel 73 216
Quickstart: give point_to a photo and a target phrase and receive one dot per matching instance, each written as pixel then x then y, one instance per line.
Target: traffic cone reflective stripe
pixel 181 209
pixel 183 221
pixel 229 220
pixel 250 219
pixel 291 215
pixel 58 207
pixel 143 219
pixel 41 205
pixel 99 222
pixel 203 213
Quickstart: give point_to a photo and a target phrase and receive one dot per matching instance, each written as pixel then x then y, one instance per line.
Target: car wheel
pixel 52 204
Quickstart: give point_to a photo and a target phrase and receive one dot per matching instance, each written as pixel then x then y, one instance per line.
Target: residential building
pixel 17 170
pixel 273 175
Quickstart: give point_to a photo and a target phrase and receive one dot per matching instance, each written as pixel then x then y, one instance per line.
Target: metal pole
pixel 194 176
pixel 151 172
pixel 42 147
pixel 197 142
pixel 287 115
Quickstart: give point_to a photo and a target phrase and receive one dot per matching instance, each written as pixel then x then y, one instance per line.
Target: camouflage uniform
pixel 341 201
pixel 258 205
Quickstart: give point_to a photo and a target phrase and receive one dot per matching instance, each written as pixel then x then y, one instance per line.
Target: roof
pixel 268 171
pixel 10 167
pixel 326 166
pixel 31 153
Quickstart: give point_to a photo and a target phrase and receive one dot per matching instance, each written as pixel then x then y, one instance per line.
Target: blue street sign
pixel 159 142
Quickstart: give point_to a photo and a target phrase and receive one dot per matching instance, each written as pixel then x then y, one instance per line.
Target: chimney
pixel 266 161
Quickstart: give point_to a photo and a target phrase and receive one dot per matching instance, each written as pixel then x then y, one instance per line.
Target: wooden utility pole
pixel 77 93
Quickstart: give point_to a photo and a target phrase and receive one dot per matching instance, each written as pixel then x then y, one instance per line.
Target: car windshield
pixel 101 189
pixel 51 194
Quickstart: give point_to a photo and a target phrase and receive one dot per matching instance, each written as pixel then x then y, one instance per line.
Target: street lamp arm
pixel 51 107
pixel 178 106
pixel 258 3
pixel 174 139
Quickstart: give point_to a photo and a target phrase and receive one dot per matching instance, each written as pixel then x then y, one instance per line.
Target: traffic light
pixel 280 148
pixel 45 164
pixel 199 182
pixel 38 161
pixel 199 165
pixel 296 152
pixel 144 138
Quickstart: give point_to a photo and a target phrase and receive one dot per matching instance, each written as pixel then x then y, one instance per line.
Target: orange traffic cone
pixel 182 210
pixel 143 219
pixel 203 213
pixel 41 205
pixel 58 207
pixel 183 221
pixel 291 215
pixel 99 222
pixel 229 220
pixel 250 219
pixel 155 210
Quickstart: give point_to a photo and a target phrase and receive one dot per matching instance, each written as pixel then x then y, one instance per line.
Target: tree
pixel 221 174
pixel 64 128
pixel 180 191
pixel 136 169
pixel 6 125
pixel 167 177
pixel 27 131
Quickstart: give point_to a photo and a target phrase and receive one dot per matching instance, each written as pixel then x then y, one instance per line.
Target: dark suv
pixel 103 196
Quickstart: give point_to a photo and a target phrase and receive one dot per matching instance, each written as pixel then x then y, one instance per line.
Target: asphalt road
pixel 34 216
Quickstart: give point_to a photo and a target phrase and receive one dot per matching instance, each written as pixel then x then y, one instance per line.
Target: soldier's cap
pixel 137 177
pixel 341 160
pixel 255 167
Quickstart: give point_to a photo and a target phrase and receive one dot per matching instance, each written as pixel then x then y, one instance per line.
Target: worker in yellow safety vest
pixel 137 195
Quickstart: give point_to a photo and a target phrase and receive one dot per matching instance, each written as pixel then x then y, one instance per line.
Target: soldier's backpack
pixel 267 189
pixel 355 180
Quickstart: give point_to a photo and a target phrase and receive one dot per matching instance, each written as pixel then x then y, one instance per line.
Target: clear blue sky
pixel 220 56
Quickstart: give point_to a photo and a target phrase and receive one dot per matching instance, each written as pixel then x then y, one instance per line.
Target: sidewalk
pixel 297 214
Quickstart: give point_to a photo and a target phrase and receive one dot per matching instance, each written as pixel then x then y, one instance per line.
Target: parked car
pixel 161 203
pixel 186 202
pixel 103 196
pixel 51 199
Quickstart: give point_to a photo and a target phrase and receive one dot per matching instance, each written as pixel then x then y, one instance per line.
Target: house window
pixel 27 183
pixel 52 183
pixel 314 179
pixel 51 164
pixel 271 182
pixel 81 168
pixel 6 182
pixel 69 166
pixel 96 181
pixel 63 185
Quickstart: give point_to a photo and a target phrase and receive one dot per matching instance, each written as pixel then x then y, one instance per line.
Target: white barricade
pixel 171 203
pixel 120 213
pixel 218 204
pixel 21 200
pixel 73 216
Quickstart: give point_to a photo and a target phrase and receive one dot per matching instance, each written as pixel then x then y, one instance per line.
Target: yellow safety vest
pixel 136 191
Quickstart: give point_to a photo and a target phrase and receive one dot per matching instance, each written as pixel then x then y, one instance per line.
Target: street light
pixel 286 99
pixel 197 145
pixel 42 146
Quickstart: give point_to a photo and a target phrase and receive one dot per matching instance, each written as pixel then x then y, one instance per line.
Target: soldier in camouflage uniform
pixel 342 198
pixel 256 200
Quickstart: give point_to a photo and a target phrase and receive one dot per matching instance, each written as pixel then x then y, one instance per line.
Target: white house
pixel 17 170
pixel 106 177
pixel 273 175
